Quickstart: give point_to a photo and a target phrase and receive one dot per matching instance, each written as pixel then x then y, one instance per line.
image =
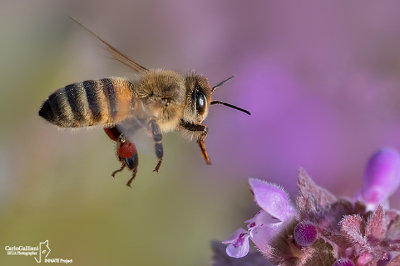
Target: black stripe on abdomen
pixel 76 99
pixel 59 117
pixel 109 91
pixel 91 96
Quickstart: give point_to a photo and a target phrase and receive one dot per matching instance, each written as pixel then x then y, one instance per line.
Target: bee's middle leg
pixel 157 137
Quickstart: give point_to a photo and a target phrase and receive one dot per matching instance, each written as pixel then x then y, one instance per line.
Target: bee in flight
pixel 158 100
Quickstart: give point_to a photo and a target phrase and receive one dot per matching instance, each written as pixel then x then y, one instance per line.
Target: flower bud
pixel 381 177
pixel 305 234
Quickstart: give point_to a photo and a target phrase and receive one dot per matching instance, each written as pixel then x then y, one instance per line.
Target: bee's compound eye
pixel 200 102
pixel 126 150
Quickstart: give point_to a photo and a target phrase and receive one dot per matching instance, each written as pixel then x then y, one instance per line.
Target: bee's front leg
pixel 199 132
pixel 155 131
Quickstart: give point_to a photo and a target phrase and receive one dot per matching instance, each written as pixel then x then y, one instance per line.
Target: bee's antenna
pixel 230 105
pixel 220 84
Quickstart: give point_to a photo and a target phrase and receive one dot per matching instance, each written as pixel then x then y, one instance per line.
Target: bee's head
pixel 198 98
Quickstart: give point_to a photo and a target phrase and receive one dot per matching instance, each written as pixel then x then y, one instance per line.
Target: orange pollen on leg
pixel 126 150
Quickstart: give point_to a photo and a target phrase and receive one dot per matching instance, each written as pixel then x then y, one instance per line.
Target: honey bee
pixel 161 101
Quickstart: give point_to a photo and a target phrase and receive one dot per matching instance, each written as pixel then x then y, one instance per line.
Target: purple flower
pixel 276 212
pixel 323 229
pixel 238 244
pixel 381 178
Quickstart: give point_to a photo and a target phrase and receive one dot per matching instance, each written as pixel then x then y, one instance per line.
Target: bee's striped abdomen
pixel 89 103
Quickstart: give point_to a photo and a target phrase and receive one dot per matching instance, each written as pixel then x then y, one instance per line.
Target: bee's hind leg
pixel 132 164
pixel 114 134
pixel 126 151
pixel 157 137
pixel 131 179
pixel 118 170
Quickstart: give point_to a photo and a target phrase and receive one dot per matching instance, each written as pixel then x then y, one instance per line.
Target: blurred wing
pixel 136 131
pixel 130 126
pixel 117 55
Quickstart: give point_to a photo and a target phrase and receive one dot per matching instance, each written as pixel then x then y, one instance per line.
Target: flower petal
pixel 238 244
pixel 381 177
pixel 232 238
pixel 263 234
pixel 261 217
pixel 372 198
pixel 272 199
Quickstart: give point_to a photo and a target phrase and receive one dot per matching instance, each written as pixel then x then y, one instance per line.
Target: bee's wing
pixel 130 126
pixel 136 130
pixel 117 55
